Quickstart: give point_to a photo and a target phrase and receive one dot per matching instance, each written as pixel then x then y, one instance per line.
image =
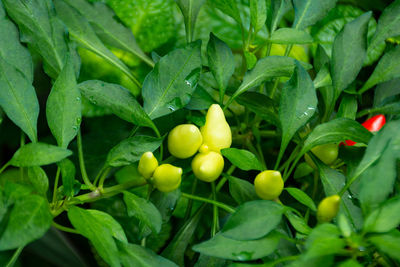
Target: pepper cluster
pixel 184 141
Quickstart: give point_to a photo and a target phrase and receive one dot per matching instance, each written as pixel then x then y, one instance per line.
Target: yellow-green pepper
pixel 167 178
pixel 184 141
pixel 268 184
pixel 208 166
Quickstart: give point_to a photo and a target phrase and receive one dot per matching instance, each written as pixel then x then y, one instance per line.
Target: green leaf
pixel 290 36
pixel 38 177
pixel 297 105
pixel 253 220
pixel 333 181
pixel 323 77
pixel 388 25
pixel 190 10
pixel 150 33
pixel 251 59
pixel 276 11
pixel 324 240
pixel 41 28
pixel 380 157
pixel 117 99
pixel 386 91
pixel 18 99
pixel 110 31
pixel 321 58
pixel 10 48
pixel 241 190
pixel 182 239
pixel 267 68
pixel 229 7
pixel 298 223
pixel 243 159
pixel 201 99
pixel 38 154
pixel 302 197
pixel 348 52
pixel 101 229
pixel 350 263
pixel 258 14
pixel 63 107
pixel 81 31
pixel 388 243
pixel 132 255
pixel 348 107
pixel 15 191
pixel 221 62
pixel 260 104
pixel 131 149
pixel 68 176
pixel 143 210
pixel 169 86
pixel 231 249
pixel 388 68
pixel 335 131
pixel 29 220
pixel 308 12
pixel 385 218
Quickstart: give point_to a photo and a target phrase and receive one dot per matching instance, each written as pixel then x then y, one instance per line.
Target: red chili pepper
pixel 373 124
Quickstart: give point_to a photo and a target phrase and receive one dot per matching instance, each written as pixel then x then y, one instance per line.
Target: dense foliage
pixel 199 133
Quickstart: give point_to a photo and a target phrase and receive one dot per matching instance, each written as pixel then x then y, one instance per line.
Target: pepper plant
pixel 199 133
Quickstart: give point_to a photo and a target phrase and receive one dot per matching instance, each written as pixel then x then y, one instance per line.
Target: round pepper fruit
pixel 184 140
pixel 167 178
pixel 216 131
pixel 268 184
pixel 147 164
pixel 373 124
pixel 328 208
pixel 327 153
pixel 208 166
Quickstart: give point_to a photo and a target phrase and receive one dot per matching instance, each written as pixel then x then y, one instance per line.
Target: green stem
pixel 56 184
pixel 216 203
pixel 276 83
pixel 5 166
pixel 82 163
pixel 269 47
pixel 215 225
pixel 15 256
pixel 262 159
pixel 190 201
pixel 64 228
pixel 98 175
pixel 292 168
pixel 268 133
pixel 103 177
pixel 134 130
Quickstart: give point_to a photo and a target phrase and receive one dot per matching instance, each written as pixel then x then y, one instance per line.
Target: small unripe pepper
pixel 373 124
pixel 147 165
pixel 268 184
pixel 167 178
pixel 216 131
pixel 208 166
pixel 184 140
pixel 328 208
pixel 327 153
